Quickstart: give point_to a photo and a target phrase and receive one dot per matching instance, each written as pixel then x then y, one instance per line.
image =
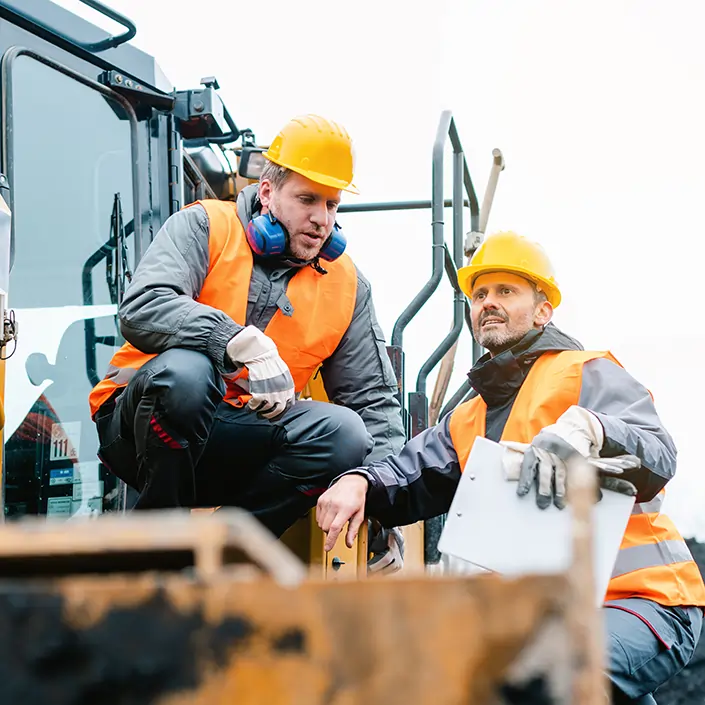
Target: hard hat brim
pixel 323 179
pixel 467 275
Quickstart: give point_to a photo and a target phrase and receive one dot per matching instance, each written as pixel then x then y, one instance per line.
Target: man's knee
pixel 353 440
pixel 641 658
pixel 338 434
pixel 181 377
pixel 185 387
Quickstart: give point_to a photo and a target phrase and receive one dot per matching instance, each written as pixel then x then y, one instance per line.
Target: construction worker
pixel 547 400
pixel 232 309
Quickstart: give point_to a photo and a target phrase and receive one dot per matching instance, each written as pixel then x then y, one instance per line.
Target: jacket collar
pixel 498 379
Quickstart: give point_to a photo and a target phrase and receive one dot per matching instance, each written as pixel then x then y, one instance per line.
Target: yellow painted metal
pixel 413 535
pixel 341 562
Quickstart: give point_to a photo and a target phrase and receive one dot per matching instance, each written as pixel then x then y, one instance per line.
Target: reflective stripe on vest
pixel 652 507
pixel 653 562
pixel 649 555
pixel 119 376
pixel 322 307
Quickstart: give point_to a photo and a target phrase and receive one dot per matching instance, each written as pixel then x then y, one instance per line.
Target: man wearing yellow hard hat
pixel 230 312
pixel 546 399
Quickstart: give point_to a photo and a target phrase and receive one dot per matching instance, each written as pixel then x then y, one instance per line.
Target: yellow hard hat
pixel 317 148
pixel 509 252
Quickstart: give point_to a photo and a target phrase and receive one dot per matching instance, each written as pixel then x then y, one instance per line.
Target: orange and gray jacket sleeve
pixel 418 483
pixel 632 425
pixel 159 310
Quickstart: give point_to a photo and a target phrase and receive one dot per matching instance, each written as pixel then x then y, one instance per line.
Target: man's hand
pixel 545 460
pixel 344 502
pixel 270 382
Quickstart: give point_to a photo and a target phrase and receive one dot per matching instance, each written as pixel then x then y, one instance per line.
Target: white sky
pixel 597 107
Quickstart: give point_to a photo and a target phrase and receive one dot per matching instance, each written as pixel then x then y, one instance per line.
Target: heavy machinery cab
pixel 98 151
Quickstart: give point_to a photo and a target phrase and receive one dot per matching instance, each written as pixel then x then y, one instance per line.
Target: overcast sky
pixel 597 107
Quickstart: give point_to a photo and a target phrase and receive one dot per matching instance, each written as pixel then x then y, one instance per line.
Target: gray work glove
pixel 545 460
pixel 269 380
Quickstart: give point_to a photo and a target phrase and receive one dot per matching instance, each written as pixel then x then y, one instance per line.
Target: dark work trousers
pixel 647 644
pixel 169 435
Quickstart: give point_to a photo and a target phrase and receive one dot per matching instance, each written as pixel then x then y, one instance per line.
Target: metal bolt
pixel 198 106
pixel 336 563
pixel 128 83
pixel 118 78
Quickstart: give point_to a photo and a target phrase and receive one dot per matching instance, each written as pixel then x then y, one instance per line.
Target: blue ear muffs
pixel 335 245
pixel 267 237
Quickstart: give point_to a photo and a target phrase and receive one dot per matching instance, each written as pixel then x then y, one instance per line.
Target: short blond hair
pixel 275 174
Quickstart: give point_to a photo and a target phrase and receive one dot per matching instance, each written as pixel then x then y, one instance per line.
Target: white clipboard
pixel 494 529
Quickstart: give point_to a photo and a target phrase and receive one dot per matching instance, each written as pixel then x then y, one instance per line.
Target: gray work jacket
pixel 160 311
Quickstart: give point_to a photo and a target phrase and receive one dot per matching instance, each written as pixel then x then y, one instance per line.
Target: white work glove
pixel 545 460
pixel 270 382
pixel 388 550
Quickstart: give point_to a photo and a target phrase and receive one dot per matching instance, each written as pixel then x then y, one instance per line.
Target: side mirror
pixel 251 163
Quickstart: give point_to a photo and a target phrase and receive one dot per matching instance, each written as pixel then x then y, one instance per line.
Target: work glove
pixel 269 380
pixel 545 460
pixel 388 552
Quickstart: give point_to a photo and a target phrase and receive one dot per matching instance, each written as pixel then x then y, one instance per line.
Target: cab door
pixel 70 153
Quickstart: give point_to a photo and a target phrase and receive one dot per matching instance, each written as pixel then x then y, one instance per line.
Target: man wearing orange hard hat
pixel 547 400
pixel 230 312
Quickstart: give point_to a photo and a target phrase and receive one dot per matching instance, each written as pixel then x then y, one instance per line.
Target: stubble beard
pixel 304 252
pixel 497 341
pixel 294 247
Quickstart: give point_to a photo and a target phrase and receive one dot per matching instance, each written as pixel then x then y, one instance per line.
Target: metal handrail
pixel 108 43
pixel 442 259
pixel 376 207
pixel 446 128
pixel 452 264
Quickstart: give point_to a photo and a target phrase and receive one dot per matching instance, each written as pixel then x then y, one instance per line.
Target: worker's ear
pixel 543 314
pixel 265 194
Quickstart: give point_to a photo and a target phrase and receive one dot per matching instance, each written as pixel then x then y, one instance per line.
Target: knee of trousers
pixel 343 434
pixel 187 389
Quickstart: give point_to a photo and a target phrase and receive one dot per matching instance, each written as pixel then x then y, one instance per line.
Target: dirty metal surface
pixel 165 540
pixel 169 640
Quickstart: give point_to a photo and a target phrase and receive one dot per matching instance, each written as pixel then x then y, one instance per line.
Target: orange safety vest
pixel 654 561
pixel 322 304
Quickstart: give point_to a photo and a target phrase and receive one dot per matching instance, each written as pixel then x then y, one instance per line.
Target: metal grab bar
pixel 442 259
pixel 446 129
pixel 452 264
pixel 109 42
pixel 392 206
